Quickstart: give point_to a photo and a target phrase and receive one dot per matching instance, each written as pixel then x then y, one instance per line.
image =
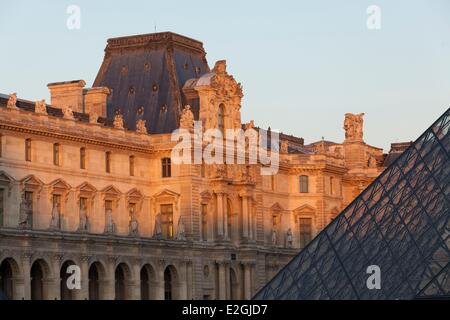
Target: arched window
pixel 94 282
pixel 82 158
pixel 304 184
pixel 28 150
pixel 221 115
pixel 56 153
pixel 37 281
pixel 6 279
pixel 167 284
pixel 120 283
pixel 166 167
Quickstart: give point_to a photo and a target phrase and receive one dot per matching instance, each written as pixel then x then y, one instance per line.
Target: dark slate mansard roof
pixel 148 72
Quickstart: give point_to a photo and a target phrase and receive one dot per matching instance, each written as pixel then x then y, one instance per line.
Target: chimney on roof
pixel 95 100
pixel 67 94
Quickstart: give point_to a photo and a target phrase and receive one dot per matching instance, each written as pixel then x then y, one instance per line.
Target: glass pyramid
pixel 400 223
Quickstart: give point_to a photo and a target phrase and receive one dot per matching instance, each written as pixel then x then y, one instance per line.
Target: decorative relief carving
pixel 68 113
pixel 118 122
pixel 12 102
pixel 40 107
pixel 353 126
pixel 187 118
pixel 140 127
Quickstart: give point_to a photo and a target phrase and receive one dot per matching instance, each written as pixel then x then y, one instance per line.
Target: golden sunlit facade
pixel 89 180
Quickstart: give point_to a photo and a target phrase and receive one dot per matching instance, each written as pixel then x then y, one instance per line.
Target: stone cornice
pixel 34 129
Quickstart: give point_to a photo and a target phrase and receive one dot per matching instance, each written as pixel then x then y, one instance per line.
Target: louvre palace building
pixel 88 179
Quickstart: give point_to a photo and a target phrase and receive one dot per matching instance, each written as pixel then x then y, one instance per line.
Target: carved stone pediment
pixel 276 208
pixel 166 194
pixel 304 210
pixel 111 193
pixel 87 188
pixel 31 183
pixel 59 185
pixel 205 197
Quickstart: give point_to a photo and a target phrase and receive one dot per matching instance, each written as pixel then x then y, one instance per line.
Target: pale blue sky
pixel 303 64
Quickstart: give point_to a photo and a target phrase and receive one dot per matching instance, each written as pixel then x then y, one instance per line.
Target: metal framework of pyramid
pixel 400 222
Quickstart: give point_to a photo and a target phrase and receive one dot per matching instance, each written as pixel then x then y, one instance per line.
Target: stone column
pixel 134 289
pixel 26 267
pixel 247 281
pixel 220 215
pixel 182 284
pixel 189 280
pixel 109 288
pixel 83 293
pixel 159 282
pixel 222 280
pixel 53 284
pixel 225 217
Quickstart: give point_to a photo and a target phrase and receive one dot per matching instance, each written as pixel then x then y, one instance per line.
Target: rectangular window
pixel 29 199
pixel 1 206
pixel 305 231
pixel 83 202
pixel 166 167
pixel 304 184
pixel 28 150
pixel 57 200
pixel 56 154
pixel 108 205
pixel 132 166
pixel 108 162
pixel 204 222
pixel 167 221
pixel 82 158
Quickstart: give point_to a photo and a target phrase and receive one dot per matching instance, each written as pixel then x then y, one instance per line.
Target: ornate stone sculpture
pixel 12 101
pixel 55 223
pixel 353 126
pixel 68 113
pixel 84 222
pixel 284 146
pixel 40 107
pixel 274 237
pixel 289 239
pixel 134 224
pixel 140 127
pixel 109 222
pixel 157 233
pixel 118 121
pixel 93 117
pixel 181 234
pixel 25 213
pixel 187 118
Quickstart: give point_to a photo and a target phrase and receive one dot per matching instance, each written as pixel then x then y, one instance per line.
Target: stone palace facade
pixel 88 180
